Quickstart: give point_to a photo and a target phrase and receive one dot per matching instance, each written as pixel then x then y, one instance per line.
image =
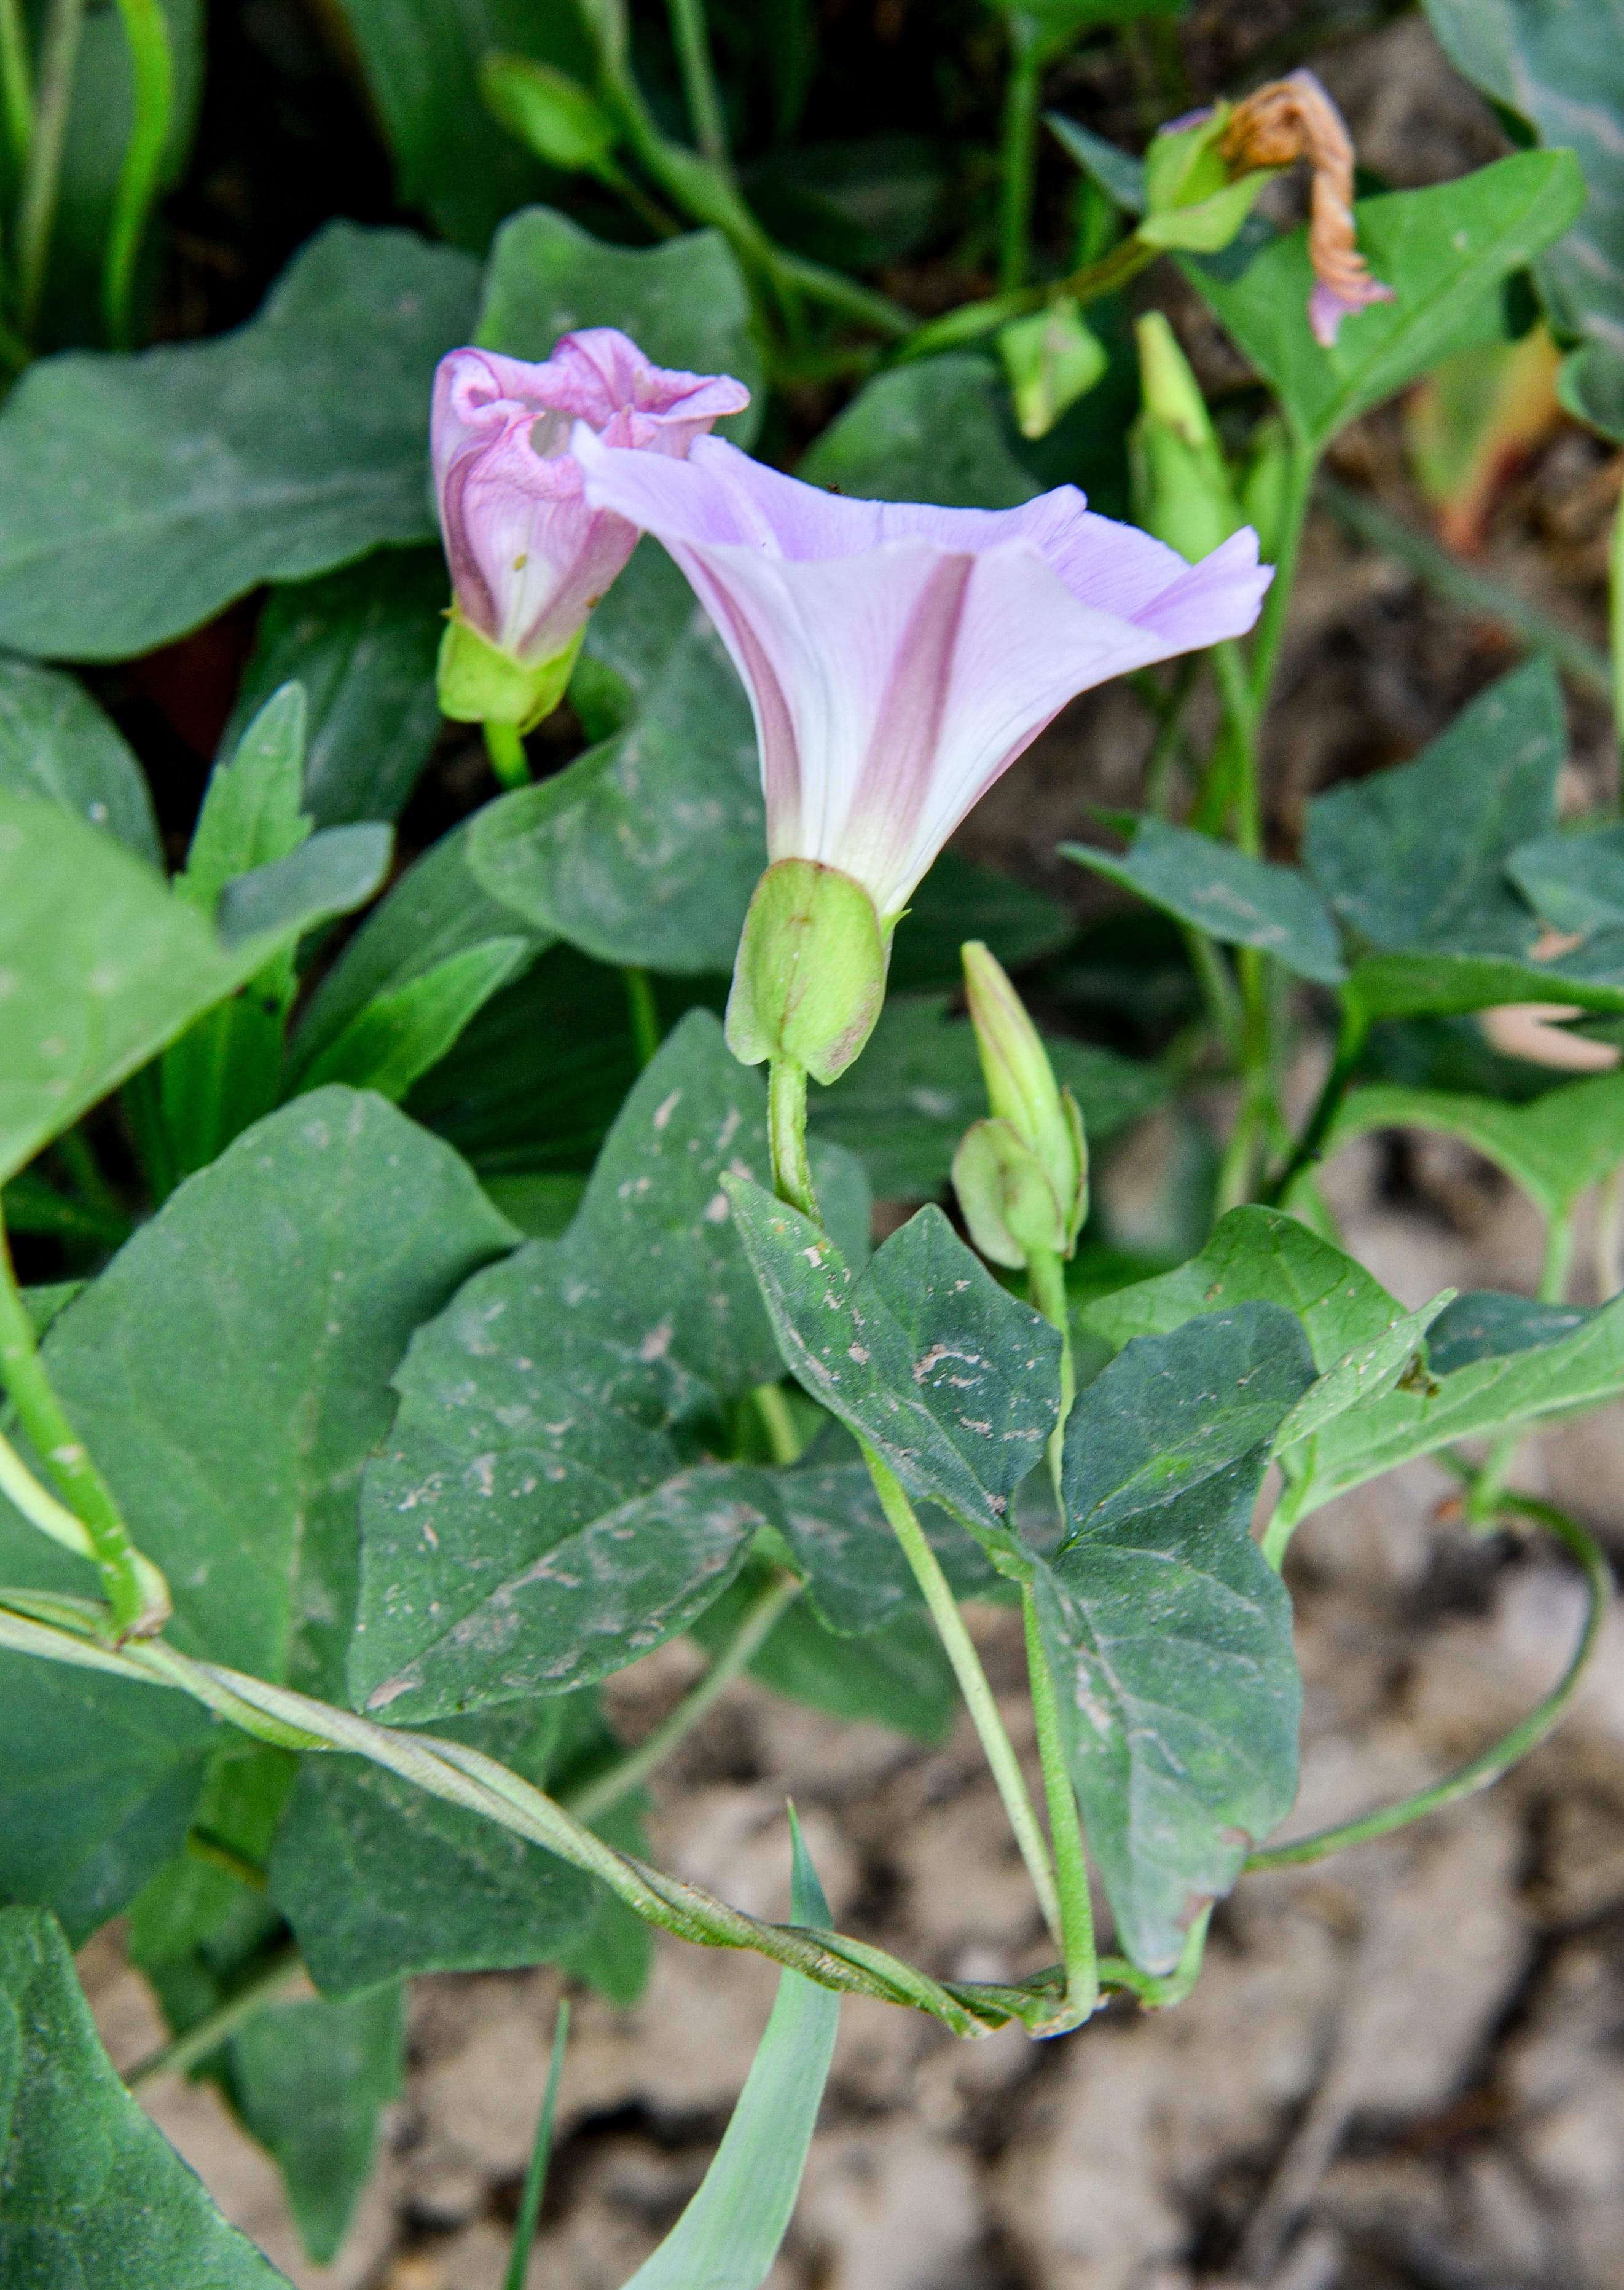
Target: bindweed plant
pixel 438 1278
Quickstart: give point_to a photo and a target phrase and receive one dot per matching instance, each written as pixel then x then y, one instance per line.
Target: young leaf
pixel 209 475
pixel 95 2195
pixel 729 2236
pixel 56 742
pixel 464 1895
pixel 398 1037
pixel 230 1368
pixel 937 429
pixel 683 302
pixel 1231 896
pixel 905 1103
pixel 310 2079
pixel 362 644
pixel 1119 175
pixel 542 1513
pixel 1553 1146
pixel 1559 67
pixel 102 967
pixel 952 1380
pixel 1169 1631
pixel 1444 251
pixel 1495 1364
pixel 333 874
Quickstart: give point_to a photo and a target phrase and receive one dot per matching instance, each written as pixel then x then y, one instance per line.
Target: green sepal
pixel 480 684
pixel 1009 1204
pixel 1051 359
pixel 809 977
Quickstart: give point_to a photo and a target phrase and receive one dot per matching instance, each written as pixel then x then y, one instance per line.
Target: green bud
pixel 1181 488
pixel 550 112
pixel 1008 1203
pixel 1192 204
pixel 1025 1097
pixel 809 975
pixel 1052 359
pixel 480 684
pixel 1210 224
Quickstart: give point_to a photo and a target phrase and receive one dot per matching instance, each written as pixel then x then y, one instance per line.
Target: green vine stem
pixel 646 1029
pixel 136 1592
pixel 760 1618
pixel 1077 1950
pixel 972 1683
pixel 265 1984
pixel 1023 98
pixel 71 1631
pixel 1302 463
pixel 1047 1288
pixel 16 83
pixel 506 750
pixel 42 177
pixel 1306 1153
pixel 792 1178
pixel 691 36
pixel 1490 1763
pixel 153 101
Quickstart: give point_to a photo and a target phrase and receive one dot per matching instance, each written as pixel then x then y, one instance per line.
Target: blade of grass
pixel 540 2155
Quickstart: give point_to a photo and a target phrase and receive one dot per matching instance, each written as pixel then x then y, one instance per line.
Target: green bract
pixel 810 973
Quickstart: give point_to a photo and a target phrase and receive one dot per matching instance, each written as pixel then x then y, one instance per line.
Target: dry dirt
pixel 1403 2067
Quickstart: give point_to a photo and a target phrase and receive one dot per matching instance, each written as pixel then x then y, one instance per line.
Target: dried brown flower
pixel 1294 118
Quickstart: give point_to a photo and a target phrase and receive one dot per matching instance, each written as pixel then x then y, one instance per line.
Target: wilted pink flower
pixel 529 558
pixel 1294 118
pixel 899 658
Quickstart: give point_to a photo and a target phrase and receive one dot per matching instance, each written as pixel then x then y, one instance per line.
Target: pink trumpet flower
pixel 529 555
pixel 899 658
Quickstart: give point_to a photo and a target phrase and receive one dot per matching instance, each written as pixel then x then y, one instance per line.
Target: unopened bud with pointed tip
pixel 1181 485
pixel 809 976
pixel 1040 1117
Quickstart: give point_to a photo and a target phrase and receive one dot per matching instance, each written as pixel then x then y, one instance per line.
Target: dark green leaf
pixel 310 2080
pixel 230 1368
pixel 1547 1364
pixel 101 967
pixel 857 1578
pixel 1443 985
pixel 684 303
pixel 644 850
pixel 421 59
pixel 398 1037
pixel 938 429
pixel 363 642
pixel 333 874
pixel 958 901
pixel 142 494
pixel 56 742
pixel 1412 860
pixel 1553 1146
pixel 894 1674
pixel 95 2196
pixel 905 1104
pixel 1231 896
pixel 951 1380
pixel 1488 1323
pixel 201 1927
pixel 542 1513
pixel 1574 881
pixel 1445 252
pixel 463 1894
pixel 1169 1631
pixel 1563 70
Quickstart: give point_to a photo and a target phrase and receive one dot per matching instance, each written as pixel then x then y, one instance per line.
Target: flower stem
pixel 972 1683
pixel 135 1590
pixel 755 1626
pixel 506 751
pixel 1301 463
pixel 691 36
pixel 787 1136
pixel 541 2154
pixel 646 1032
pixel 1077 1947
pixel 780 1425
pixel 43 175
pixel 206 2035
pixel 1047 1288
pixel 1019 166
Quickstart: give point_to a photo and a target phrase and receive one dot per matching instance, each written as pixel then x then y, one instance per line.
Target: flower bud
pixel 1052 359
pixel 1025 1098
pixel 1182 487
pixel 1192 202
pixel 479 684
pixel 1008 1204
pixel 809 975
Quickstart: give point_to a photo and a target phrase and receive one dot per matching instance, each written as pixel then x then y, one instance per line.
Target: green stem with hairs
pixel 136 1592
pixel 755 1626
pixel 1078 1952
pixel 506 750
pixel 792 1178
pixel 1490 1763
pixel 960 1649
